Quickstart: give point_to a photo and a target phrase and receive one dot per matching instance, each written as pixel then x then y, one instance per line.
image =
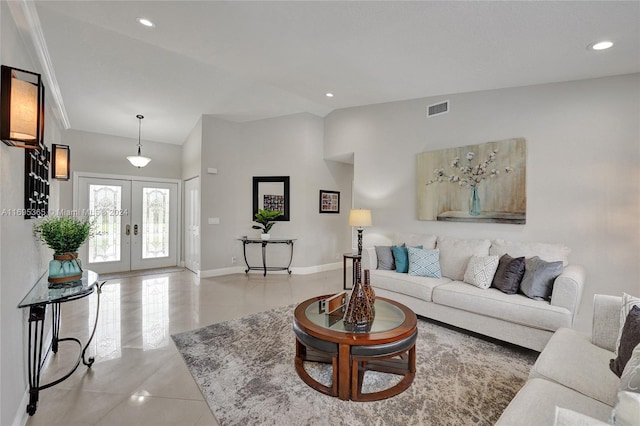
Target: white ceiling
pixel 251 60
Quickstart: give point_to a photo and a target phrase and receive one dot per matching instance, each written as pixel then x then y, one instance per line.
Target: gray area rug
pixel 245 370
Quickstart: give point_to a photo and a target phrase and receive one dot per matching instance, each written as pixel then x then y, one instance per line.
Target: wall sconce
pixel 61 162
pixel 21 108
pixel 360 218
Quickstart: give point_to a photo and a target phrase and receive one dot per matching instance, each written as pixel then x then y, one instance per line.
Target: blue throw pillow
pixel 424 263
pixel 401 257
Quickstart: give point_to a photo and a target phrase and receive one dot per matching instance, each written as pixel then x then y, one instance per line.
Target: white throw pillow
pixel 628 302
pixel 455 255
pixel 627 410
pixel 630 378
pixel 481 270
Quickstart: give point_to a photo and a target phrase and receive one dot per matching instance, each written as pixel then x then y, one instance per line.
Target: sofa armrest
pixel 606 321
pixel 369 258
pixel 567 289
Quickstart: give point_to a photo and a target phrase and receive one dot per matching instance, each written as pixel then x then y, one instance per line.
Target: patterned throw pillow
pixel 424 263
pixel 630 379
pixel 628 302
pixel 480 270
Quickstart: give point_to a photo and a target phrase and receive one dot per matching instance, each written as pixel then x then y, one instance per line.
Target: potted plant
pixel 64 235
pixel 266 220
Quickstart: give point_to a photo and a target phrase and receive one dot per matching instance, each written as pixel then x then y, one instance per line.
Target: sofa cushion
pixel 491 302
pixel 627 409
pixel 535 404
pixel 571 360
pixel 545 251
pixel 630 339
pixel 385 258
pixel 509 274
pixel 480 271
pixel 455 255
pixel 418 287
pixel 537 282
pixel 424 263
pixel 566 417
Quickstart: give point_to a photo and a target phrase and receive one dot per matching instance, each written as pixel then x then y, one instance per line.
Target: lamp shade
pixel 61 162
pixel 360 217
pixel 138 160
pixel 21 108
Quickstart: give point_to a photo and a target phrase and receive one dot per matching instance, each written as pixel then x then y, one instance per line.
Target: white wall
pixel 284 146
pixel 22 260
pixel 98 153
pixel 191 153
pixel 583 182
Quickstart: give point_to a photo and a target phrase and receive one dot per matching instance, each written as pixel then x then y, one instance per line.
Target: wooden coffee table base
pixel 351 355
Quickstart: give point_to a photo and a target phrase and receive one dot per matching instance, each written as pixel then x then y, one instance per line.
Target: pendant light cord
pixel 140 117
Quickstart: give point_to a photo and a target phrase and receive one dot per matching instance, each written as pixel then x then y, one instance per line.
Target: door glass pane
pixel 155 222
pixel 105 201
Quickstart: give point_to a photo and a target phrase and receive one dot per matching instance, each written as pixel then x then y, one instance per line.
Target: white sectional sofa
pixel 512 318
pixel 572 373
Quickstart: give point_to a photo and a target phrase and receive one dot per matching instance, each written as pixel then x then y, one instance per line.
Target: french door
pixel 135 223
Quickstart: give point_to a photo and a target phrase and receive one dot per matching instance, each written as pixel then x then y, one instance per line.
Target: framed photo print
pixel 329 201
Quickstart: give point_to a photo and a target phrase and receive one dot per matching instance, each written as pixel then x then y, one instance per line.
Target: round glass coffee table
pixel 388 346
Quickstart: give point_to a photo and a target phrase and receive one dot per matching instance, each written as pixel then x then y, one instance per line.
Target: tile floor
pixel 139 378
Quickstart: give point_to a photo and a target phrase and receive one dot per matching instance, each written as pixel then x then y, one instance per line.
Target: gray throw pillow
pixel 385 258
pixel 539 275
pixel 629 340
pixel 630 379
pixel 509 274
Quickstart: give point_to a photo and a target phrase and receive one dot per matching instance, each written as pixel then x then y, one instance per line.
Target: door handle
pixel 135 229
pixel 128 230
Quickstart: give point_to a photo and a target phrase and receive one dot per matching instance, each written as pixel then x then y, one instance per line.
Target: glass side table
pixel 37 300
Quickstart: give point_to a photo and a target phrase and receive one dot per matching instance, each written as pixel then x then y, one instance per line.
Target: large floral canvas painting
pixel 476 183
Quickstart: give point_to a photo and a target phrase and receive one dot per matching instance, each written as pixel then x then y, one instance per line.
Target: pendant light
pixel 138 160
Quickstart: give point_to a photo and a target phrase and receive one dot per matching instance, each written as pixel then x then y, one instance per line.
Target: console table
pixel 264 244
pixel 37 300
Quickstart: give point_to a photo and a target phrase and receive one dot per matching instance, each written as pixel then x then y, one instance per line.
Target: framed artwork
pixel 271 193
pixel 329 201
pixel 475 183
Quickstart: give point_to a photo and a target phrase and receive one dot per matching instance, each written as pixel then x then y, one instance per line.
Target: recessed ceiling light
pixel 145 22
pixel 329 95
pixel 600 45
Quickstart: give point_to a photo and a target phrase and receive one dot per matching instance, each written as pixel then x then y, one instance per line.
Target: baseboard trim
pixel 22 417
pixel 295 270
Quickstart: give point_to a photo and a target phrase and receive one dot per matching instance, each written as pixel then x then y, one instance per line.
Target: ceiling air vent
pixel 438 109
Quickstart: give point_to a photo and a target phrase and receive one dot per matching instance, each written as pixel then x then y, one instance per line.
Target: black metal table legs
pixel 37 314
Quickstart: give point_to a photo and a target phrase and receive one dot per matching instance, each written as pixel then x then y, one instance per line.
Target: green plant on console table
pixel 266 219
pixel 62 234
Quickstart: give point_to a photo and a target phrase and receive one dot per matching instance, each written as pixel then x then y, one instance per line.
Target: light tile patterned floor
pixel 139 377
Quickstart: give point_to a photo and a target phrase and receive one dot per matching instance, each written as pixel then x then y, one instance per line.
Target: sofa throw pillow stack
pixel 629 334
